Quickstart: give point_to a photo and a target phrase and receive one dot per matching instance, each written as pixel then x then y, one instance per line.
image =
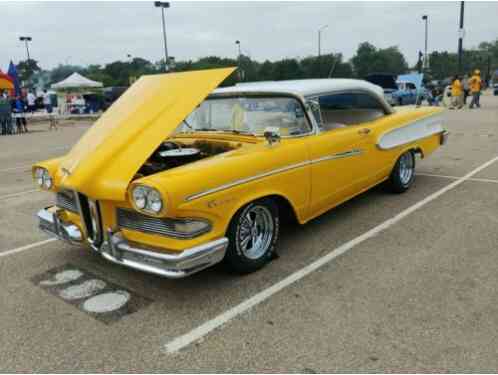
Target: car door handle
pixel 364 131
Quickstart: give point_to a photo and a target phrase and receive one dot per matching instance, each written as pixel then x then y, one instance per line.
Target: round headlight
pixel 147 199
pixel 43 178
pixel 140 197
pixel 39 176
pixel 154 201
pixel 47 180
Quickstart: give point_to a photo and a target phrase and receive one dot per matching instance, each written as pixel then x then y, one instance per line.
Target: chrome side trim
pixel 245 180
pixel 340 155
pixel 411 132
pixel 241 181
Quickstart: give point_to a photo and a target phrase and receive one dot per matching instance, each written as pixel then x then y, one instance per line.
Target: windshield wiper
pixel 188 125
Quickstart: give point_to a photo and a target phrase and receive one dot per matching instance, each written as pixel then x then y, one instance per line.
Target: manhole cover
pixel 92 294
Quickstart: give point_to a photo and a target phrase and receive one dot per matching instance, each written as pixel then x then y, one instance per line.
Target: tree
pixel 265 72
pixel 286 69
pixel 445 64
pixel 369 59
pixel 61 72
pixel 26 69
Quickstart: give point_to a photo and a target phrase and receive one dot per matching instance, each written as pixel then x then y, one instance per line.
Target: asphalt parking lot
pixel 402 283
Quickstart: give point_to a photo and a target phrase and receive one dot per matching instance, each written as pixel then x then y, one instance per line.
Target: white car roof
pixel 303 87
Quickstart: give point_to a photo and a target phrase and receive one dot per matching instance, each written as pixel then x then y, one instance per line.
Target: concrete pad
pixel 473 140
pixel 178 305
pixel 421 297
pixel 418 297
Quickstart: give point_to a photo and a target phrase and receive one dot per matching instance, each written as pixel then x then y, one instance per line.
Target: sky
pixel 83 33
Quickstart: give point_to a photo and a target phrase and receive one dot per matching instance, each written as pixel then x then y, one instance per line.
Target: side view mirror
pixel 272 134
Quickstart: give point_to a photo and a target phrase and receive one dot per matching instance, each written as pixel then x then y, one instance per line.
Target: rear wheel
pixel 252 235
pixel 403 173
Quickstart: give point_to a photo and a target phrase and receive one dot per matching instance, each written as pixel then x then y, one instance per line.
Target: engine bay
pixel 172 153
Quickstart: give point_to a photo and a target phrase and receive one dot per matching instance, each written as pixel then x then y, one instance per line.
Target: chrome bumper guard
pixel 51 223
pixel 444 137
pixel 118 250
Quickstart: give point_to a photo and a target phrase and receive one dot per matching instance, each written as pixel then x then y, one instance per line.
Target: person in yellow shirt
pixel 456 93
pixel 475 89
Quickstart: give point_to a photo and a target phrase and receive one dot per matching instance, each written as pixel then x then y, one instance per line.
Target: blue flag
pixel 12 72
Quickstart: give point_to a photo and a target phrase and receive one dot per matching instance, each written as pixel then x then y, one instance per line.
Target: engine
pixel 171 154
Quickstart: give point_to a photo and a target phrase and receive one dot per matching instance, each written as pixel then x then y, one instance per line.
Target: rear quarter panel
pixel 408 128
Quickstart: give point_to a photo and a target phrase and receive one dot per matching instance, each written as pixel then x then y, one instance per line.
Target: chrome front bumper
pixel 51 223
pixel 117 249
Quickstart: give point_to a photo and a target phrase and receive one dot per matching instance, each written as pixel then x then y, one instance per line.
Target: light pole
pixel 237 42
pixel 320 39
pixel 163 5
pixel 320 49
pixel 460 39
pixel 26 39
pixel 425 17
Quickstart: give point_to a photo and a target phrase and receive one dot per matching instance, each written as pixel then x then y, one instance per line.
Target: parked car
pixel 177 176
pixel 406 93
pixel 410 89
pixel 388 84
pixel 495 89
pixel 111 94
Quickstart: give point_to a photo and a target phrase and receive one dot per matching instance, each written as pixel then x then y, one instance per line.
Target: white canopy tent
pixel 76 81
pixel 75 84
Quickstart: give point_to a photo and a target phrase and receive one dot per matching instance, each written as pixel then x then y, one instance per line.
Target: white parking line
pixel 25 247
pixel 7 196
pixel 197 333
pixel 456 178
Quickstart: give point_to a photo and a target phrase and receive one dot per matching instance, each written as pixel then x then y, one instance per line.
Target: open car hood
pixel 106 158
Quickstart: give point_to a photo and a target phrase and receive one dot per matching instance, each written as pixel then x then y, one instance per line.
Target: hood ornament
pixel 65 172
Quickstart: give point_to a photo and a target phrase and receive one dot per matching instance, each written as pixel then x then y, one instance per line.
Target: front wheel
pixel 252 235
pixel 403 173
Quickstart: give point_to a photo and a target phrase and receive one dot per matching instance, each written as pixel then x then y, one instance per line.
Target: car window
pixel 346 109
pixel 338 101
pixel 248 115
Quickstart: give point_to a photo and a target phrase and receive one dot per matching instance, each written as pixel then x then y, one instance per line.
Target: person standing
pixel 48 107
pixel 47 103
pixel 19 108
pixel 456 93
pixel 466 89
pixel 5 113
pixel 475 89
pixel 31 102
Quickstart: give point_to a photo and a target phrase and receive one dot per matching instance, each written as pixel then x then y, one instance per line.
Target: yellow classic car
pixel 178 175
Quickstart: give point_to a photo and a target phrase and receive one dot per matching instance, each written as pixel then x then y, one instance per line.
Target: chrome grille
pixel 133 220
pixel 65 199
pixel 90 215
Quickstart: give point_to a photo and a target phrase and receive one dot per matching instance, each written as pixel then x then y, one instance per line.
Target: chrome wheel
pixel 406 167
pixel 256 232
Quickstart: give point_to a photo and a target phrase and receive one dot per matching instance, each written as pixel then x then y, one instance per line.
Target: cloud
pixel 100 32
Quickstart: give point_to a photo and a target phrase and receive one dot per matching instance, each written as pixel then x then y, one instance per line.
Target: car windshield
pixel 248 115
